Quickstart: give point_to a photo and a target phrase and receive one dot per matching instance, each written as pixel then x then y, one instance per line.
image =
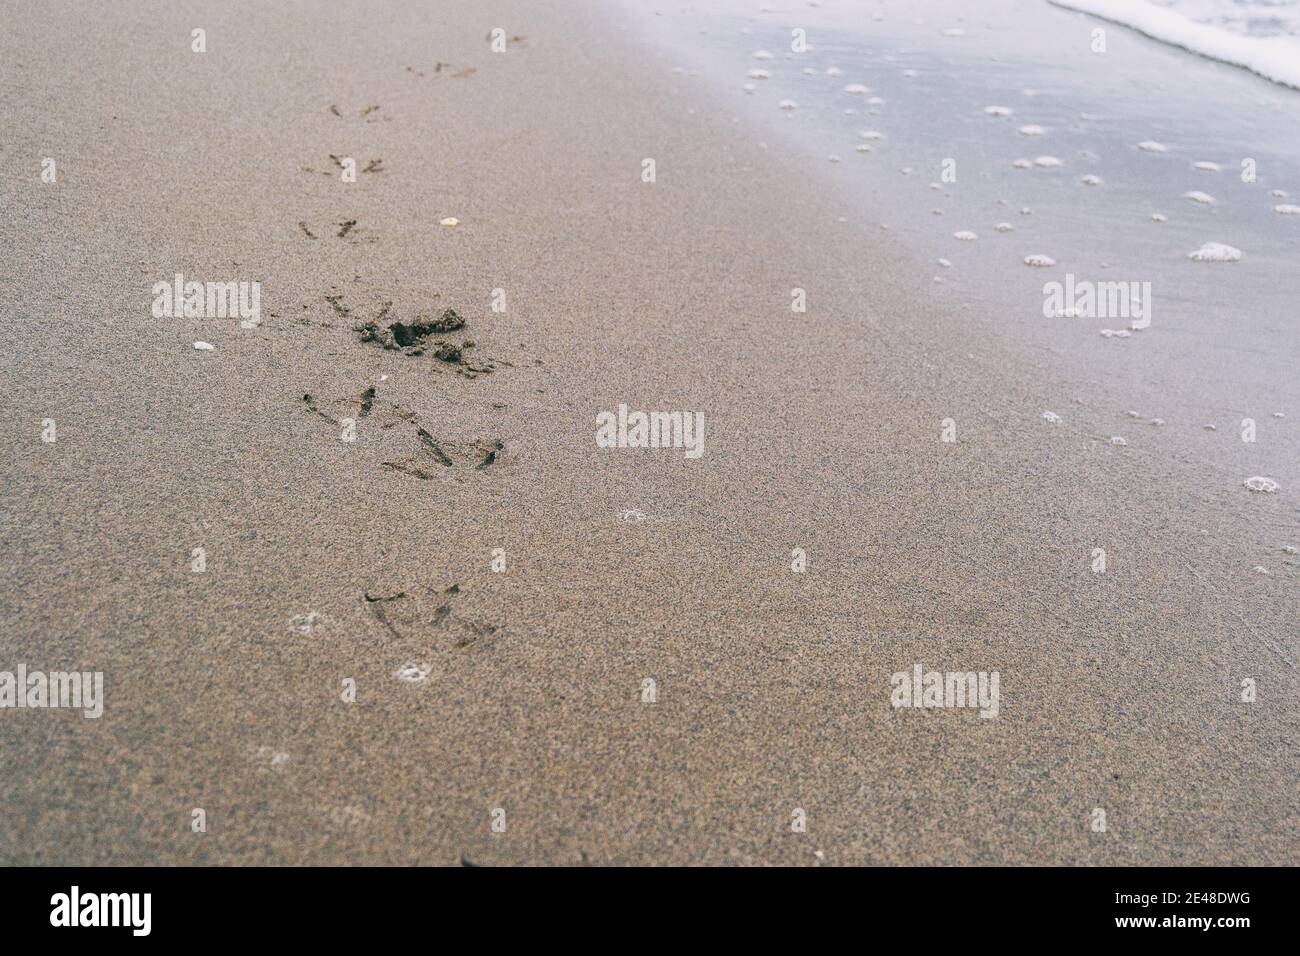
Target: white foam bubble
pixel 758 74
pixel 762 55
pixel 1286 209
pixel 857 89
pixel 204 346
pixel 1039 260
pixel 1005 227
pixel 1021 163
pixel 997 110
pixel 1261 484
pixel 1032 129
pixel 1207 167
pixel 1047 162
pixel 1159 217
pixel 965 235
pixel 1052 417
pixel 788 105
pixel 1117 440
pixel 1215 252
pixel 1197 196
pixel 1151 146
pixel 871 134
pixel 1091 180
pixel 412 673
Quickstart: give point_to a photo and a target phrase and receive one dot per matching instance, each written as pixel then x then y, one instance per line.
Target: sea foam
pixel 1215 252
pixel 1275 58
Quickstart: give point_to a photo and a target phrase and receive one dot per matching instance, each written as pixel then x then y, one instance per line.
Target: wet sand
pixel 1118 690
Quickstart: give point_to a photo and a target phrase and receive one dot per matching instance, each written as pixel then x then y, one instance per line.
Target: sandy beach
pixel 396 605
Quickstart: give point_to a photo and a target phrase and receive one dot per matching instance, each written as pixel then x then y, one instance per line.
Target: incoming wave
pixel 1275 58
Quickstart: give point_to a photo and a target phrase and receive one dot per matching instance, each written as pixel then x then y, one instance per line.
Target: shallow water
pixel 1260 18
pixel 999 140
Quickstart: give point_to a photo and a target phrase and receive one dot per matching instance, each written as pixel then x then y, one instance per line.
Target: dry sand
pixel 1118 691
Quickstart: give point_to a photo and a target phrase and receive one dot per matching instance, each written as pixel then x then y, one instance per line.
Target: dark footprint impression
pixel 429 616
pixel 428 455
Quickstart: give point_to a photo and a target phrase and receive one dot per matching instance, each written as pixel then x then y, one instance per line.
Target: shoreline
pixel 772 688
